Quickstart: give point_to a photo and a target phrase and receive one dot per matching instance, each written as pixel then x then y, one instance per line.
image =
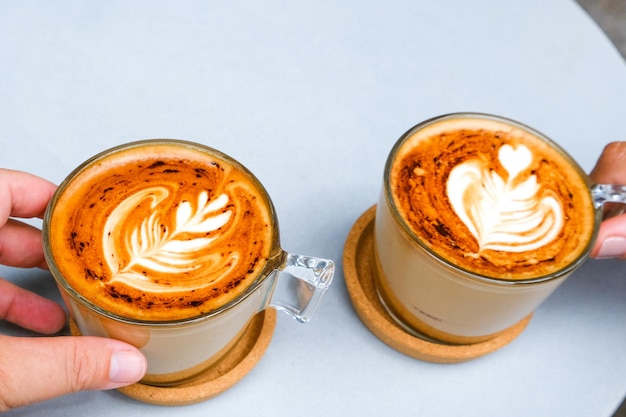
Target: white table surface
pixel 311 95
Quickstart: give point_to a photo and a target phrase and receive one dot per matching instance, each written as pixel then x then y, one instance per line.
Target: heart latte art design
pixel 505 214
pixel 153 245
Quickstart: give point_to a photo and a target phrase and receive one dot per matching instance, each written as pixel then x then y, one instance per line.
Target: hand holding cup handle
pixel 463 190
pixel 180 261
pixel 610 169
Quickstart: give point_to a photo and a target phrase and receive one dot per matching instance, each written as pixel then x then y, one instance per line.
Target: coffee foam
pixel 492 198
pixel 162 232
pixel 501 213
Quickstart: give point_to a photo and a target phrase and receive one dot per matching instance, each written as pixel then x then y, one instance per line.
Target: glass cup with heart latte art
pixel 173 247
pixel 480 219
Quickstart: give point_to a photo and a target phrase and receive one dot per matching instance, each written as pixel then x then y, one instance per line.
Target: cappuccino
pixel 161 232
pixel 174 247
pixel 492 198
pixel 479 220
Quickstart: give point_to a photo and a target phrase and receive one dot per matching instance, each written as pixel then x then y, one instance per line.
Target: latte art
pixel 162 232
pixel 505 214
pixel 151 245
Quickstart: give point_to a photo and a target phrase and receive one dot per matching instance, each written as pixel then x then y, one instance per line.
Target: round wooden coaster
pixel 227 372
pixel 358 265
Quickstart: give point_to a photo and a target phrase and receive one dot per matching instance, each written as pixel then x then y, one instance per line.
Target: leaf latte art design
pixel 505 214
pixel 150 244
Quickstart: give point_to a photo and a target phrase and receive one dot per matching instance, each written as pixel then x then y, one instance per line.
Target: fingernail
pixel 612 247
pixel 127 367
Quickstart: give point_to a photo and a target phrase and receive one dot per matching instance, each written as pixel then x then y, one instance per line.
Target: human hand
pixel 36 369
pixel 611 169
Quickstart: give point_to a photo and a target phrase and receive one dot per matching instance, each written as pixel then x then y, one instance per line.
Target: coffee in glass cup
pixel 479 220
pixel 173 247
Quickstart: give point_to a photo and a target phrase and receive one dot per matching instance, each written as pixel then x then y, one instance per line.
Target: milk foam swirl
pixel 151 245
pixel 505 214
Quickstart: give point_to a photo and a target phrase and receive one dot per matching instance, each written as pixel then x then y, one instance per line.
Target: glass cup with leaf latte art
pixel 173 247
pixel 479 220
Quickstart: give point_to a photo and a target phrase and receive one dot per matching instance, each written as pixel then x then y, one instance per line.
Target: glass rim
pixel 416 240
pixel 275 258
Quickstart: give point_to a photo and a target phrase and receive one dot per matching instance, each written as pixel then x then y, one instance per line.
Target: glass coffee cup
pixel 479 220
pixel 173 247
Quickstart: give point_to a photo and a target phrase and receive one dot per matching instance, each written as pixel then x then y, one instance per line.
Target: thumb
pixel 37 369
pixel 611 242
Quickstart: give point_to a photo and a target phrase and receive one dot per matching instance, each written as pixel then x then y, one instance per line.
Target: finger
pixel 611 169
pixel 23 195
pixel 611 241
pixel 37 369
pixel 21 245
pixel 29 310
pixel 611 165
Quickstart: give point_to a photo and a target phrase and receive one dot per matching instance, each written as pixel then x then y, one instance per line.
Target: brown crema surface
pixel 161 232
pixel 419 176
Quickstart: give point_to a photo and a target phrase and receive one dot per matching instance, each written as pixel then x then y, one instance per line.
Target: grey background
pixel 294 92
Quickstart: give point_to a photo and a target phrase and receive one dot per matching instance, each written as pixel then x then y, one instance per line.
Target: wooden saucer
pixel 240 360
pixel 358 265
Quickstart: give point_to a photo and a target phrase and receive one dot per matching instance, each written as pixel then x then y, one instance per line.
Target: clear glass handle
pixel 301 284
pixel 608 193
